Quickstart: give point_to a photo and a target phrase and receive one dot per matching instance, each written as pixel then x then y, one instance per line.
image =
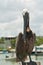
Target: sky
pixel 11 16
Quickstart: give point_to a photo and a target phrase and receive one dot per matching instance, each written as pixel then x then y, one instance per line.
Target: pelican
pixel 25 42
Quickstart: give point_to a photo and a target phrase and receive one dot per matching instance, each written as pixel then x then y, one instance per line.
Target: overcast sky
pixel 11 18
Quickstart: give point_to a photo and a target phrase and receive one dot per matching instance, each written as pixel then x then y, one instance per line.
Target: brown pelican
pixel 25 42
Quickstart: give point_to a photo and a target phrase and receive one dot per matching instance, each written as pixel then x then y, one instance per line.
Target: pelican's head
pixel 25 11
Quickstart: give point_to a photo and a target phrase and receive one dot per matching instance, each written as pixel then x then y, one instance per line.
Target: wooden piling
pixel 31 63
pixel 38 63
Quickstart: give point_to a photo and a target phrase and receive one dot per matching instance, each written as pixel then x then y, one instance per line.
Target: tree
pixel 13 41
pixel 39 40
pixel 2 40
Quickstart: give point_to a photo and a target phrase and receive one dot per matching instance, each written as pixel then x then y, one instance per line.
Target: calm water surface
pixel 6 62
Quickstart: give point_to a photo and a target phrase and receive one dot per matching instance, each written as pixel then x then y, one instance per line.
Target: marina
pixel 3 60
pixel 10 58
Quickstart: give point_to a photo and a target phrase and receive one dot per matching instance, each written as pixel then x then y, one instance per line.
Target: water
pixel 5 62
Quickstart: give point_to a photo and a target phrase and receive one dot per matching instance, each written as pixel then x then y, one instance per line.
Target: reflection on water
pixel 6 62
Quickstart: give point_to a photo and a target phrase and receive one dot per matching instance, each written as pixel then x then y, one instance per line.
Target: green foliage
pixel 13 41
pixel 39 40
pixel 2 40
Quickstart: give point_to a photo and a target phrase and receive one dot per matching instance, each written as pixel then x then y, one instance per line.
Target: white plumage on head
pixel 24 11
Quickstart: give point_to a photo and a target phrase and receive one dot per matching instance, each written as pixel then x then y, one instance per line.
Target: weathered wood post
pixel 31 63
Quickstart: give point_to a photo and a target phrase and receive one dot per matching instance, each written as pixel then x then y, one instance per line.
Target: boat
pixel 11 57
pixel 38 50
pixel 1 52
